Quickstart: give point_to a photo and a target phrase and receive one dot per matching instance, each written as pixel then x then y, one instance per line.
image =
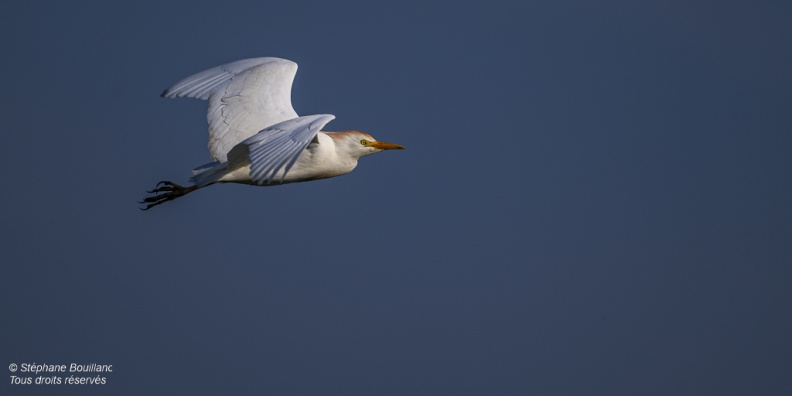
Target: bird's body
pixel 255 137
pixel 319 160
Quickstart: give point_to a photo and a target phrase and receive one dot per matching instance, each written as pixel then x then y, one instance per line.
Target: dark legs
pixel 168 192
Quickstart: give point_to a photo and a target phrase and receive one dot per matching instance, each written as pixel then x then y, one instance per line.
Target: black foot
pixel 168 192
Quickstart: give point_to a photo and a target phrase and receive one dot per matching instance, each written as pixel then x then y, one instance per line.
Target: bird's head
pixel 358 144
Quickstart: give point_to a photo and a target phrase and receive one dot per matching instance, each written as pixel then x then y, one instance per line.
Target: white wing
pixel 277 148
pixel 245 97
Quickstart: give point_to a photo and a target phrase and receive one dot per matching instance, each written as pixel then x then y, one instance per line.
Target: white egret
pixel 256 137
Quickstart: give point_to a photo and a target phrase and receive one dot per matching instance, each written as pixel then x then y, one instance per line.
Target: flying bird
pixel 256 137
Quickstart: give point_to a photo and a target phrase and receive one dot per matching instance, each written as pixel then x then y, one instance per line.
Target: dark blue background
pixel 595 199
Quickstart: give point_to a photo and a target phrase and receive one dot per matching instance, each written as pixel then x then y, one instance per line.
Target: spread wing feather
pixel 245 97
pixel 274 150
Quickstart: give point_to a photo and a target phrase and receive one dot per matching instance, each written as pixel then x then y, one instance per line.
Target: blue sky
pixel 594 199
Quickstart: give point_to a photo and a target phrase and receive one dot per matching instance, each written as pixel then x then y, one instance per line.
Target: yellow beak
pixel 386 146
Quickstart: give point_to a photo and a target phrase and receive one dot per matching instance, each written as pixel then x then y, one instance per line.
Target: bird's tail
pixel 207 174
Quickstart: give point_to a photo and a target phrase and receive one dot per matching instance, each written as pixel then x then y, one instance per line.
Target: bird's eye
pixel 364 142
